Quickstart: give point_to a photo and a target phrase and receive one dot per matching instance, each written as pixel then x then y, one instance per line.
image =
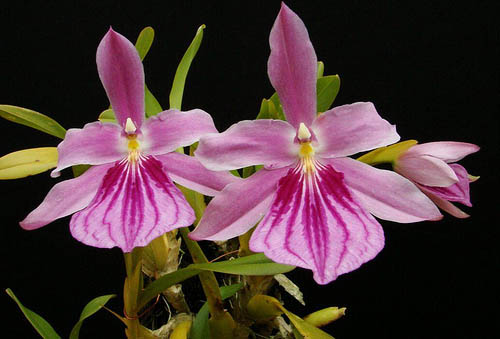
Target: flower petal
pixel 386 194
pixel 135 203
pixel 445 205
pixel 189 172
pixel 315 222
pixel 448 151
pixel 169 130
pixel 257 142
pixel 66 198
pixel 292 67
pixel 122 75
pixel 238 207
pixel 349 129
pixel 95 144
pixel 457 192
pixel 426 170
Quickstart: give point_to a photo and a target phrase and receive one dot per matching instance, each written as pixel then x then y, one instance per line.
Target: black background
pixel 428 67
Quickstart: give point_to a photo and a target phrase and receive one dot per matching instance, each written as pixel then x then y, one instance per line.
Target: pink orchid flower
pixel 128 198
pixel 315 201
pixel 427 165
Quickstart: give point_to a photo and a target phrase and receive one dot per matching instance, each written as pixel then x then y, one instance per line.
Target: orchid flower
pixel 428 166
pixel 128 198
pixel 316 204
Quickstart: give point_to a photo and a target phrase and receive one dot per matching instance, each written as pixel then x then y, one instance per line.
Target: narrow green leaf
pixel 247 269
pixel 152 106
pixel 32 119
pixel 264 110
pixel 30 161
pixel 92 307
pixel 321 69
pixel 182 70
pixel 161 284
pixel 278 109
pixel 144 41
pixel 200 329
pixel 327 89
pixel 255 264
pixel 107 116
pixel 41 325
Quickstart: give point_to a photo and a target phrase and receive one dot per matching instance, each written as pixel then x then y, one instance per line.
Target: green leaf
pixel 107 116
pixel 321 69
pixel 327 89
pixel 27 162
pixel 32 119
pixel 200 329
pixel 277 111
pixel 41 325
pixel 152 106
pixel 182 70
pixel 256 264
pixel 92 307
pixel 161 284
pixel 144 41
pixel 80 169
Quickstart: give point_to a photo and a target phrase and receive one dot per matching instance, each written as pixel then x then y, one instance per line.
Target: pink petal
pixel 238 207
pixel 189 172
pixel 66 198
pixel 457 192
pixel 350 129
pixel 257 142
pixel 122 75
pixel 95 144
pixel 315 222
pixel 292 67
pixel 426 170
pixel 169 130
pixel 386 194
pixel 135 203
pixel 445 205
pixel 448 151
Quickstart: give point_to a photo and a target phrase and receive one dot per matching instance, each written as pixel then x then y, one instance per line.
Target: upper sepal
pixel 122 75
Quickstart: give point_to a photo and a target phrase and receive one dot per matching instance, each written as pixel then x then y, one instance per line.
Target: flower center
pixel 306 151
pixel 133 148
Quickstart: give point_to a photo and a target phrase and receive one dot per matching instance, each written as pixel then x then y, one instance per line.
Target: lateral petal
pixel 122 75
pixel 238 207
pixel 257 142
pixel 349 129
pixel 189 172
pixel 315 222
pixel 135 203
pixel 426 170
pixel 448 151
pixel 386 194
pixel 292 67
pixel 169 130
pixel 96 143
pixel 457 192
pixel 66 198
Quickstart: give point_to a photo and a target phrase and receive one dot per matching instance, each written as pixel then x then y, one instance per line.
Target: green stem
pixel 131 290
pixel 207 278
